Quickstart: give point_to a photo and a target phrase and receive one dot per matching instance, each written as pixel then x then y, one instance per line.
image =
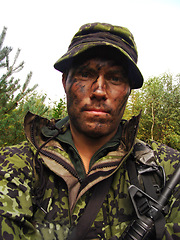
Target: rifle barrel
pixel 167 191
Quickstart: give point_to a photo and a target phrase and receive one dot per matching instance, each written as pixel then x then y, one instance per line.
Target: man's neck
pixel 87 146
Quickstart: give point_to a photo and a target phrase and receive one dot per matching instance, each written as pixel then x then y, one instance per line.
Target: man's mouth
pixel 97 111
pixel 94 110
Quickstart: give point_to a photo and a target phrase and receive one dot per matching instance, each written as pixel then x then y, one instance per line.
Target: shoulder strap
pixel 149 188
pixel 91 211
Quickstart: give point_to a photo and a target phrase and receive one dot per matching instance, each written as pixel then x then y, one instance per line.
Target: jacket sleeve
pixel 169 158
pixel 16 178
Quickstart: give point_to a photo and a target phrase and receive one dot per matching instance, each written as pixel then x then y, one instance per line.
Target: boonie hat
pixel 102 34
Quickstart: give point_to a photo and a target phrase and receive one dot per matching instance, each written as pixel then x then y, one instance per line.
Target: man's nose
pixel 98 90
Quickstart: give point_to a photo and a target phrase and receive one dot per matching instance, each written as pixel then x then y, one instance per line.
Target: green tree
pixel 11 91
pixel 16 99
pixel 59 111
pixel 13 122
pixel 159 100
pixel 35 103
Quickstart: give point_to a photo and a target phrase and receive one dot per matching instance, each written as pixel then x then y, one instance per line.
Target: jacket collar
pixel 38 130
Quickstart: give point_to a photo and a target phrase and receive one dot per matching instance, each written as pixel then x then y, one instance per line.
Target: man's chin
pixel 97 131
pixel 94 129
pixel 95 135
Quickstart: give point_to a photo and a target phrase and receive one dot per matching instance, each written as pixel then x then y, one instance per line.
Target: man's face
pixel 97 91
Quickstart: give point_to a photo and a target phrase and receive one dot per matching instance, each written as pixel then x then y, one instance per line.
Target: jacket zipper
pixel 54 157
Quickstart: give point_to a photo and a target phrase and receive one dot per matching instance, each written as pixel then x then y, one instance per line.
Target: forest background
pixel 158 99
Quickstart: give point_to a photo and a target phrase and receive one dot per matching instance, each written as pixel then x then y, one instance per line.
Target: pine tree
pixel 11 93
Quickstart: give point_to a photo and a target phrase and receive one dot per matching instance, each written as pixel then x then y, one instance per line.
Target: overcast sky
pixel 43 29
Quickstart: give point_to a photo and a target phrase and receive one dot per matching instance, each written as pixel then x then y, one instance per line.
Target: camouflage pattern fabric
pixel 65 196
pixel 102 34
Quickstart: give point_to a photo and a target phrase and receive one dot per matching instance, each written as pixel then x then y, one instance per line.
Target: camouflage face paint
pixel 97 92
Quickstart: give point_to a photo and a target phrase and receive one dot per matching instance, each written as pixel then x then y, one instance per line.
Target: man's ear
pixel 64 77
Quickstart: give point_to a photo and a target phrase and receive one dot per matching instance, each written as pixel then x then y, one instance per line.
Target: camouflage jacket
pixel 42 196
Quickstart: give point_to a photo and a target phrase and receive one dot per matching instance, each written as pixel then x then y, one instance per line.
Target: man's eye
pixel 85 74
pixel 115 78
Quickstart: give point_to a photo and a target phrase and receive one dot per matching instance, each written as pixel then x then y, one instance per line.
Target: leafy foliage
pixel 159 100
pixel 12 123
pixel 59 111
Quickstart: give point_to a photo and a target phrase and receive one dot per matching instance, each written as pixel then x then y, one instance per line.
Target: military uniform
pixel 46 201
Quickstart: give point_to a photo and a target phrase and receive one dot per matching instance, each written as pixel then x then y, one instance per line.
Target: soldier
pixel 70 179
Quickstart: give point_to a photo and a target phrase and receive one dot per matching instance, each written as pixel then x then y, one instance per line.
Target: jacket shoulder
pixel 166 156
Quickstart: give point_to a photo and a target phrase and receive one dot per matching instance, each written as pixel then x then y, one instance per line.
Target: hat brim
pixel 134 75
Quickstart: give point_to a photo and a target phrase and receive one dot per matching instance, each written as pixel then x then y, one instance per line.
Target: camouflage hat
pixel 103 34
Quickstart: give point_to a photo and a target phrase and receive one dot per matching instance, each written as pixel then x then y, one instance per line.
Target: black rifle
pixel 143 226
